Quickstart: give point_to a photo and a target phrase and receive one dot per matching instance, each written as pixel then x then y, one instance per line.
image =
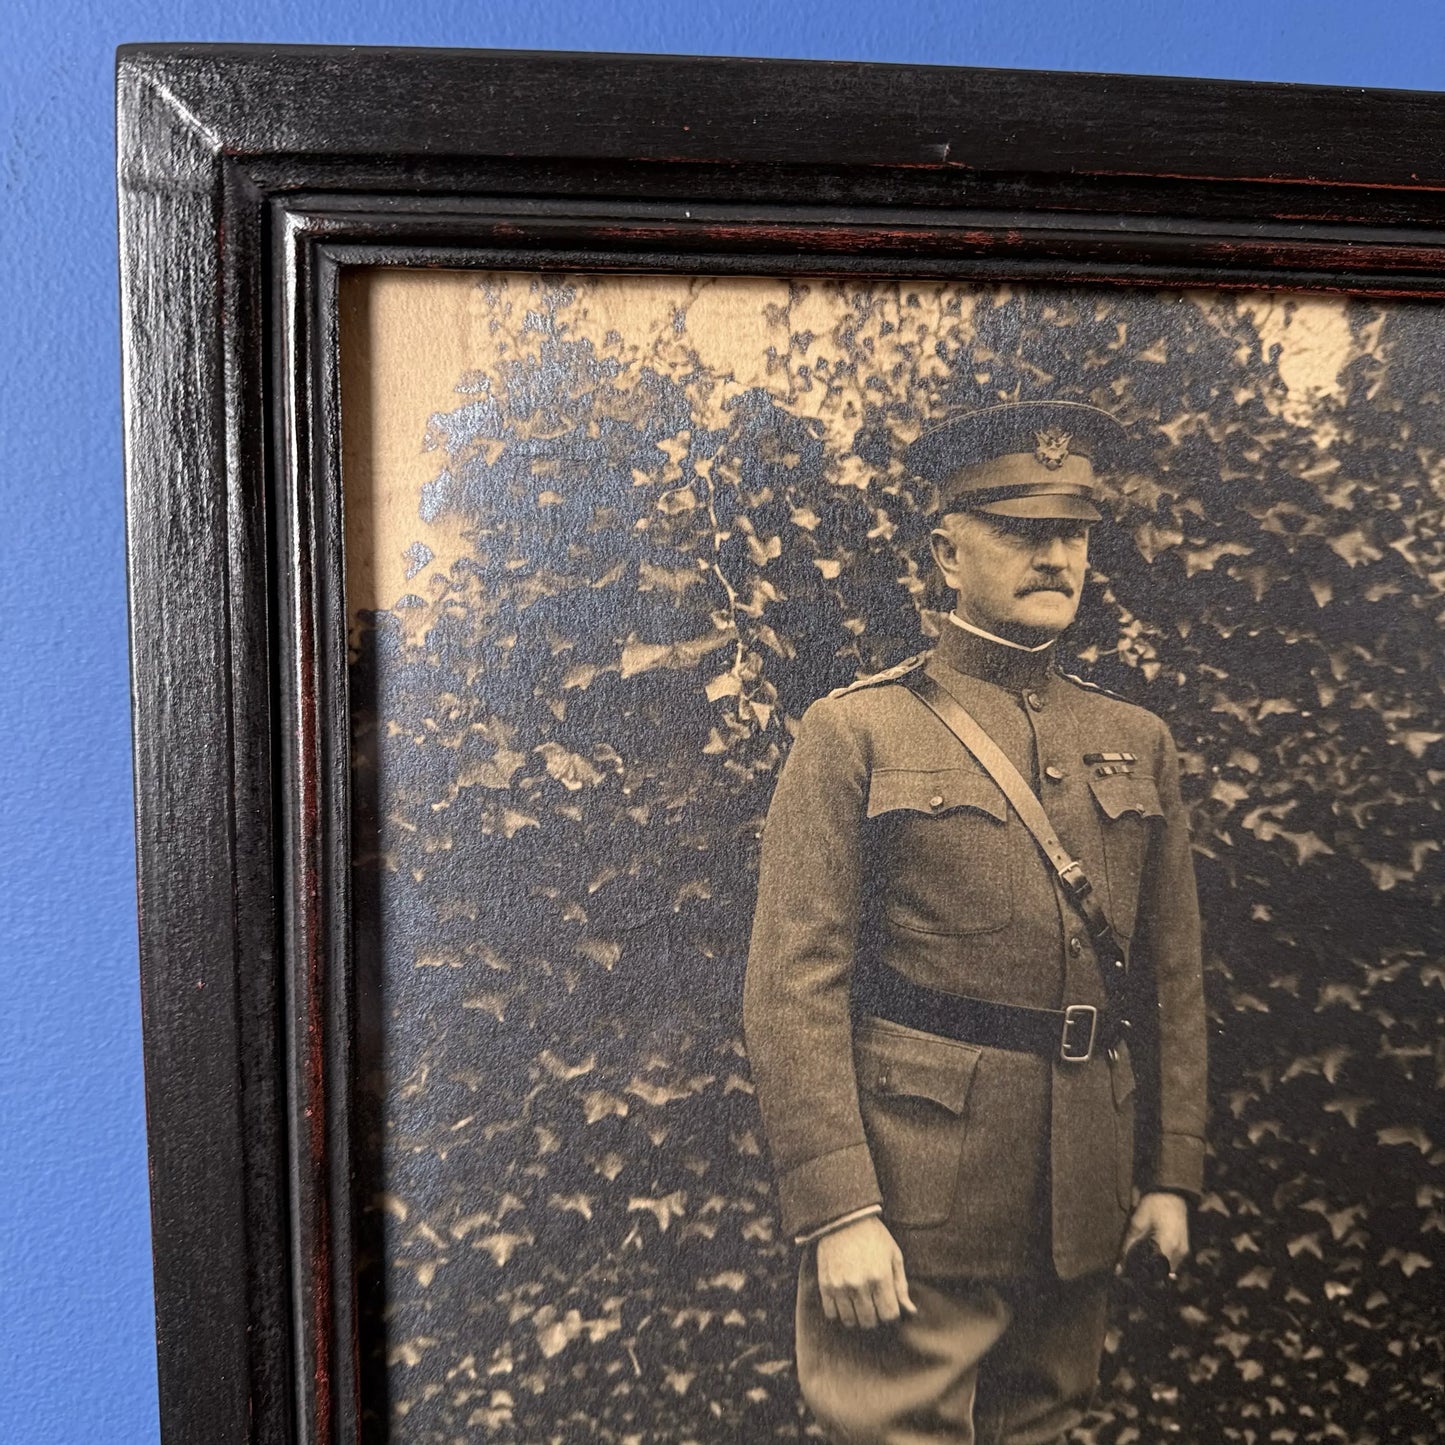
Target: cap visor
pixel 1047 506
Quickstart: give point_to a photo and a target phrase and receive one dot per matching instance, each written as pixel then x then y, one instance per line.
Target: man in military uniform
pixel 939 1024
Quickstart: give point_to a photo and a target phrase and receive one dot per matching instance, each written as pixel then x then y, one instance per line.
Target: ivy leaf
pixel 572 770
pixel 1406 1134
pixel 664 1210
pixel 1408 1261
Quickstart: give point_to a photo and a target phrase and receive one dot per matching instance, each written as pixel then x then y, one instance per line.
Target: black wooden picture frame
pixel 249 177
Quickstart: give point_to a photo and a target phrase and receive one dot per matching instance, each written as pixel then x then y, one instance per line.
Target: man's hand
pixel 860 1275
pixel 1164 1218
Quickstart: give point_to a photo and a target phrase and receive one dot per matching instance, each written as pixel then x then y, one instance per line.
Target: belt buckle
pixel 1074 1016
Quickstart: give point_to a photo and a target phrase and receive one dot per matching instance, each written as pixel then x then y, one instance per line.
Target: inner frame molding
pixel 249 176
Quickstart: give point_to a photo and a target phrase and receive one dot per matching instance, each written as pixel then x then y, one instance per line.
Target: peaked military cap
pixel 1021 458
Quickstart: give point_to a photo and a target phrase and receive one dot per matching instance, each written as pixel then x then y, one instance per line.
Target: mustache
pixel 1058 586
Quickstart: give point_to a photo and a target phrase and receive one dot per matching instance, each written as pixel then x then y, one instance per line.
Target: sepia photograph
pixel 895 859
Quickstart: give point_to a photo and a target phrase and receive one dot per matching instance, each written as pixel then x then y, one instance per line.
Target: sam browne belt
pixel 1071 1033
pixel 1030 812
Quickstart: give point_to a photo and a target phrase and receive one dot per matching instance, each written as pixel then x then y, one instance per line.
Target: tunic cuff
pixel 836 1224
pixel 1181 1164
pixel 820 1190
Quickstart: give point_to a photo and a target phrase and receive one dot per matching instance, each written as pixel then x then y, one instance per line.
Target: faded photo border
pixel 606 538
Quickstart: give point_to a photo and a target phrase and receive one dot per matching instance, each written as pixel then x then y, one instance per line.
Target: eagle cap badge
pixel 1051 448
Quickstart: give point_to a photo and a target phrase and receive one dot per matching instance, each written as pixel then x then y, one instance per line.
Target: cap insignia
pixel 1051 448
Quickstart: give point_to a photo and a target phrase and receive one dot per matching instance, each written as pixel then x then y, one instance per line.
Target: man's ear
pixel 945 552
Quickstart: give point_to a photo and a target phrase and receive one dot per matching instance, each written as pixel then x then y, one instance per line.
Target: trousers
pixel 981 1363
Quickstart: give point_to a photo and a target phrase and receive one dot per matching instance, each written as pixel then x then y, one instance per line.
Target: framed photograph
pixel 789 743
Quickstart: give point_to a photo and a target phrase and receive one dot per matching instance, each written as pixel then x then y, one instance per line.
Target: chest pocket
pixel 1131 815
pixel 940 837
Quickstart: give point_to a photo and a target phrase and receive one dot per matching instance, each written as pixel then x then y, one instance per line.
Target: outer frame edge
pixel 204 695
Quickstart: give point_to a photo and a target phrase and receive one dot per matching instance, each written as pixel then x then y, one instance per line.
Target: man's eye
pixel 1021 531
pixel 1035 534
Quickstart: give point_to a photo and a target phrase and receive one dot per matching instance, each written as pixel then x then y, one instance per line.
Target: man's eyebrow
pixel 1040 526
pixel 1033 527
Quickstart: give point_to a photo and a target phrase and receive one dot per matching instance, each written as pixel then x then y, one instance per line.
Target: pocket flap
pixel 892 1061
pixel 934 792
pixel 1124 793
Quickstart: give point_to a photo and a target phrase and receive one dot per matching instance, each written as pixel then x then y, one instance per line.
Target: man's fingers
pixel 900 1286
pixel 1177 1252
pixel 1181 1248
pixel 860 1275
pixel 864 1306
pixel 1132 1236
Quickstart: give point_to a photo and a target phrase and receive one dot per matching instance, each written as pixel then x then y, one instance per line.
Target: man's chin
pixel 1041 617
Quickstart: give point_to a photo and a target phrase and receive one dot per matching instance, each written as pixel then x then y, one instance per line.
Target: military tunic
pixel 888 846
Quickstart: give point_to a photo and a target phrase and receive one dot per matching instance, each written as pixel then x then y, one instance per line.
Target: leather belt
pixel 1069 871
pixel 1071 1034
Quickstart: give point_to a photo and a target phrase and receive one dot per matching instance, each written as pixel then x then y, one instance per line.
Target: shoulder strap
pixel 891 674
pixel 1076 885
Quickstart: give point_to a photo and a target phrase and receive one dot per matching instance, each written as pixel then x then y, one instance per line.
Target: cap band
pixel 1019 472
pixel 1022 459
pixel 983 495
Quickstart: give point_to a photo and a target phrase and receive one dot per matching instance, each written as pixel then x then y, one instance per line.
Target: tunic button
pixel 1054 775
pixel 1076 945
pixel 936 802
pixel 1034 701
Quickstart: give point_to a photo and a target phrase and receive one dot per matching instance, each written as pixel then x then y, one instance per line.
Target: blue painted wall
pixel 75 1324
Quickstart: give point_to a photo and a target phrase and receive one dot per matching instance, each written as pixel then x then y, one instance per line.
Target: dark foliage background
pixel 566 741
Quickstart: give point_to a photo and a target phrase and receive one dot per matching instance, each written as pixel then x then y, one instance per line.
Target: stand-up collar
pixel 976 656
